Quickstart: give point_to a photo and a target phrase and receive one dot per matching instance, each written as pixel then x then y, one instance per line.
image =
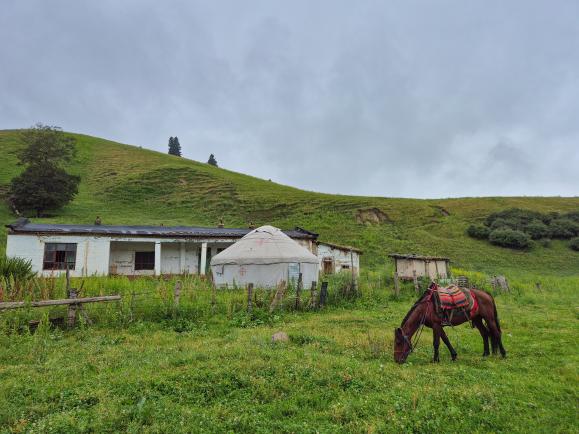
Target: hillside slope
pixel 127 184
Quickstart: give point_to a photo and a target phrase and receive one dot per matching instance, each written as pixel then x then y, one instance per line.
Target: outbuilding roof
pixel 340 247
pixel 419 257
pixel 24 226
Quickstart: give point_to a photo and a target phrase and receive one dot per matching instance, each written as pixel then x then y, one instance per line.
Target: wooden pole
pixel 323 294
pixel 313 298
pixel 298 291
pixel 396 285
pixel 177 293
pixel 415 278
pixel 61 302
pixel 72 307
pixel 249 293
pixel 278 296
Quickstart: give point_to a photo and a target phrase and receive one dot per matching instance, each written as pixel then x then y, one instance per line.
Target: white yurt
pixel 265 257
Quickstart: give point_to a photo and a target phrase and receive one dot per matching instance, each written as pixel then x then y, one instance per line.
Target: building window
pixel 59 256
pixel 144 261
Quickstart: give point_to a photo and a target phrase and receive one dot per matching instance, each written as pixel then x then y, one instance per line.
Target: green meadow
pixel 213 368
pixel 208 365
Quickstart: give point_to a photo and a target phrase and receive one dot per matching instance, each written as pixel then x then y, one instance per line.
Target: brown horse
pixel 423 313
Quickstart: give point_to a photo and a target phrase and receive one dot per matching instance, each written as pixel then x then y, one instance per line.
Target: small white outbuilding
pixel 265 257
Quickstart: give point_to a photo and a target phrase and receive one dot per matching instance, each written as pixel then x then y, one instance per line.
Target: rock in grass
pixel 279 337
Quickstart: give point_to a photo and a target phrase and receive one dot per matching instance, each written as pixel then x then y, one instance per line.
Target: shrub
pixel 564 228
pixel 480 232
pixel 17 268
pixel 574 244
pixel 515 217
pixel 501 223
pixel 510 238
pixel 537 229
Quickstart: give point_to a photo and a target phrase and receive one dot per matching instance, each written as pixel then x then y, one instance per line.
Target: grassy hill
pixel 127 184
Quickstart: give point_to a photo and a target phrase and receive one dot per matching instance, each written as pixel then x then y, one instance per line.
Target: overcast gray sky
pixel 387 98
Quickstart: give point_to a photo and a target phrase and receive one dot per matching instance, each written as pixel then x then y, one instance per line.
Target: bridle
pixel 408 340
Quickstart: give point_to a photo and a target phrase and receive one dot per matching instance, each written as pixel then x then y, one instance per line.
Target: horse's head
pixel 402 346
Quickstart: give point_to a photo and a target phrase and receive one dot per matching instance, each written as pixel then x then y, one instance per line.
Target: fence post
pixel 416 287
pixel 323 294
pixel 278 296
pixel 396 285
pixel 249 293
pixel 71 311
pixel 213 298
pixel 298 291
pixel 313 299
pixel 177 293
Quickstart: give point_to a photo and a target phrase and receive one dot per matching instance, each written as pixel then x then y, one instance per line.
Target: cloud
pixel 415 99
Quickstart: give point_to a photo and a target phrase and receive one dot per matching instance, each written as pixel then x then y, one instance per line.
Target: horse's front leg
pixel 436 342
pixel 446 341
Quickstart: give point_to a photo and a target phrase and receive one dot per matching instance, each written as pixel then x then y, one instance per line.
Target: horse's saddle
pixel 451 298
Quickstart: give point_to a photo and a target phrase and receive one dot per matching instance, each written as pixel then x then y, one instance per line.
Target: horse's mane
pixel 413 308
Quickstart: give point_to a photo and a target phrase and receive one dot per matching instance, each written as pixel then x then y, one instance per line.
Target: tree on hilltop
pixel 212 160
pixel 174 146
pixel 44 184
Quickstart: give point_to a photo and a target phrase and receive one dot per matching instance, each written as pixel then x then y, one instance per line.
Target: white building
pixel 335 258
pixel 126 250
pixel 265 257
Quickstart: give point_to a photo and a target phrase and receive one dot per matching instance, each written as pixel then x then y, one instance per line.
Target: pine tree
pixel 212 160
pixel 177 146
pixel 174 146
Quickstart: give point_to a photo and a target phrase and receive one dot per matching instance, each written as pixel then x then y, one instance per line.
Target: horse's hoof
pixel 454 358
pixel 486 354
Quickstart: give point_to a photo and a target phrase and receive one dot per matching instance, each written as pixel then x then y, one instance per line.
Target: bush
pixel 515 218
pixel 510 238
pixel 502 223
pixel 16 268
pixel 480 232
pixel 537 230
pixel 564 228
pixel 574 244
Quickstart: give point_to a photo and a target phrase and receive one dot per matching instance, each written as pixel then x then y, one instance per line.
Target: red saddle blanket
pixel 453 297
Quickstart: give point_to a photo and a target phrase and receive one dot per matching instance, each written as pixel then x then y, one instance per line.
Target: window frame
pixel 59 256
pixel 145 265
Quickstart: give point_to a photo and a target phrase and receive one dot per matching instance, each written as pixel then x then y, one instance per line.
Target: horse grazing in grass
pixel 426 312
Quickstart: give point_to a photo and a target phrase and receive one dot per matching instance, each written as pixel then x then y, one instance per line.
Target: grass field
pixel 200 372
pixel 202 368
pixel 128 185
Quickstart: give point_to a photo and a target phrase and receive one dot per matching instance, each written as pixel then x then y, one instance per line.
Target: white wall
pixel 340 257
pixel 92 253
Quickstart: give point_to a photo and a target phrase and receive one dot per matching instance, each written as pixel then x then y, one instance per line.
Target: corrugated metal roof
pixel 23 226
pixel 419 257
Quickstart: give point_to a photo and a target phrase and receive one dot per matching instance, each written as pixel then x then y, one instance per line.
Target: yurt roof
pixel 264 245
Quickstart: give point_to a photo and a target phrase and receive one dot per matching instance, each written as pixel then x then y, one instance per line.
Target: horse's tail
pixel 496 314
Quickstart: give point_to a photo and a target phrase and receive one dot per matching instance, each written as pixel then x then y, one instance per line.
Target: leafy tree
pixel 44 185
pixel 174 146
pixel 510 238
pixel 212 160
pixel 46 145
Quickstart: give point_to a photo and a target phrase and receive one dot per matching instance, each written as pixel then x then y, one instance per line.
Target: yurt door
pixel 293 272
